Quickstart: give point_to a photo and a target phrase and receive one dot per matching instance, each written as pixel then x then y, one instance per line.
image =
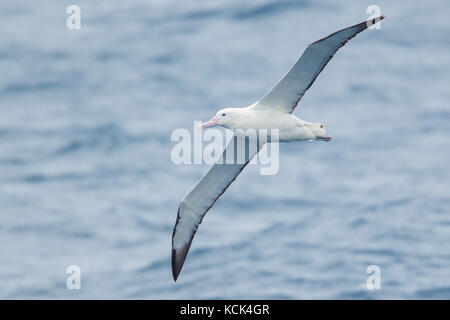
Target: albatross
pixel 273 111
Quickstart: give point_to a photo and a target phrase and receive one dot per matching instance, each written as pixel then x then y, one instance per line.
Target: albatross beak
pixel 210 123
pixel 323 138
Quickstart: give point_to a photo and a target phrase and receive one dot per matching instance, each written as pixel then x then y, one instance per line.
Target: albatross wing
pixel 288 92
pixel 202 197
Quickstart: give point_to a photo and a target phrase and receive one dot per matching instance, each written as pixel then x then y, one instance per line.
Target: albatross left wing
pixel 202 197
pixel 288 92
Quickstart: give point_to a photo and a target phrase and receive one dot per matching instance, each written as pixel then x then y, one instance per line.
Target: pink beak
pixel 210 123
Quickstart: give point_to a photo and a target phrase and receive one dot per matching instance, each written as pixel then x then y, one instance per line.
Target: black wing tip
pixel 370 22
pixel 179 255
pixel 178 258
pixel 375 20
pixel 176 267
pixel 363 25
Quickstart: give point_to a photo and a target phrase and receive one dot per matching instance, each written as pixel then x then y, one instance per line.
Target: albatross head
pixel 318 131
pixel 226 117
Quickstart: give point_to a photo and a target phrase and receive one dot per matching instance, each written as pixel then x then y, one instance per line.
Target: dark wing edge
pixel 364 25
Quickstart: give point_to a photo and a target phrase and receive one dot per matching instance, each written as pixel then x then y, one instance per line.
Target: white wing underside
pixel 288 92
pixel 202 197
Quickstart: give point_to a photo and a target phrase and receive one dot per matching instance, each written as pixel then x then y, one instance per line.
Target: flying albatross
pixel 274 110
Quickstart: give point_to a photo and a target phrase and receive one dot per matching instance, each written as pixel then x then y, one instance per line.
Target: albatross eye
pixel 223 114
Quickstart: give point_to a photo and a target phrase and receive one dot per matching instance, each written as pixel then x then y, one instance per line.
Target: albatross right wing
pixel 288 92
pixel 202 197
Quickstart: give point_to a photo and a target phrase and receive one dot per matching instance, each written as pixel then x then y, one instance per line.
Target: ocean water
pixel 86 176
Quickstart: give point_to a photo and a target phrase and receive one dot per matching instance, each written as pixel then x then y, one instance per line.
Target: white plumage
pixel 273 111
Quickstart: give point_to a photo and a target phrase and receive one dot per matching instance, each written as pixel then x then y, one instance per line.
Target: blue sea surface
pixel 86 176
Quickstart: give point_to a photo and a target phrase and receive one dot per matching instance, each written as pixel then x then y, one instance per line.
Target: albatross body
pixel 259 117
pixel 273 111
